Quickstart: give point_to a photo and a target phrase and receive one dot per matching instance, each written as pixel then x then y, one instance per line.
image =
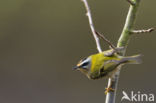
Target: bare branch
pixel 142 31
pixel 123 42
pixel 91 25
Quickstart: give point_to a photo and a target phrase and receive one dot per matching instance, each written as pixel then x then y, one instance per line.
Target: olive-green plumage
pixel 101 65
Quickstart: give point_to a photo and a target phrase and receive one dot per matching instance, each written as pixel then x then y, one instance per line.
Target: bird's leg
pixel 117 50
pixel 109 89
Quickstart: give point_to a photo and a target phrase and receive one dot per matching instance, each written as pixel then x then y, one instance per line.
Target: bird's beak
pixel 76 67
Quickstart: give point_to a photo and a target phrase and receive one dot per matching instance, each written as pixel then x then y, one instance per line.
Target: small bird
pixel 104 64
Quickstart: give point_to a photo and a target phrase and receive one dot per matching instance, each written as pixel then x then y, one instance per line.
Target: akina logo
pixel 137 97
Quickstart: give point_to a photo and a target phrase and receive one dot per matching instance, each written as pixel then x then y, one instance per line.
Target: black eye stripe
pixel 84 64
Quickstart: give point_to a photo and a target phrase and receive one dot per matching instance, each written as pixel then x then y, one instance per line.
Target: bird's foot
pixel 109 89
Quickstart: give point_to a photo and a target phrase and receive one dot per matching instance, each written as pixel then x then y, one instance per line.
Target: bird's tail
pixel 136 59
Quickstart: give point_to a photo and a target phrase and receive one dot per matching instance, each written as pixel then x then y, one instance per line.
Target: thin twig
pixel 91 25
pixel 106 40
pixel 142 31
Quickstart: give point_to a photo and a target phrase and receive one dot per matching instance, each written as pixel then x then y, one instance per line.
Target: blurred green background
pixel 41 40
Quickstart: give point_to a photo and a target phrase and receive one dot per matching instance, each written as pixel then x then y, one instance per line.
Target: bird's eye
pixel 85 64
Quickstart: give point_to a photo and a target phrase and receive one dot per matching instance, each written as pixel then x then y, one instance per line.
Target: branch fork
pixel 132 2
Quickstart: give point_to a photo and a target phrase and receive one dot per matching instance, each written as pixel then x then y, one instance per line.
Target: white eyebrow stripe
pixel 86 60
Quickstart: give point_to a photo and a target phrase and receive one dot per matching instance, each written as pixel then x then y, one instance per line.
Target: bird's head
pixel 84 65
